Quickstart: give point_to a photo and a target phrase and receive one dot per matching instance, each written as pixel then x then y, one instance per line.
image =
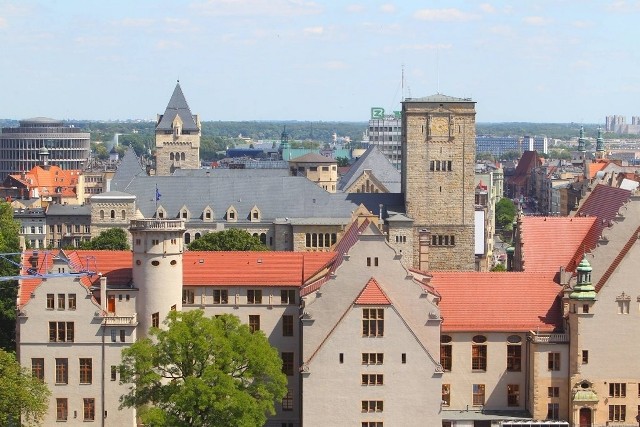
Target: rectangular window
pixel 254 296
pixel 62 371
pixel 585 357
pixel 86 369
pixel 188 296
pixel 617 389
pixel 445 357
pixel 553 411
pixel 62 409
pixel 372 424
pixel 89 409
pixel 287 401
pixel 155 320
pixel 287 326
pixel 478 394
pixel 553 391
pixel 254 322
pixel 479 357
pixel 287 363
pixel 617 413
pixel 287 296
pixel 446 394
pixel 50 301
pixel 514 357
pixel 372 379
pixel 61 332
pixel 114 372
pixel 513 395
pixel 554 361
pixel 37 368
pixel 113 335
pixel 72 301
pixel 220 296
pixel 122 335
pixel 372 406
pixel 372 358
pixel 373 322
pixel 61 301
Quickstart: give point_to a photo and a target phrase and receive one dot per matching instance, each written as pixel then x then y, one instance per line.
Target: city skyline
pixel 543 61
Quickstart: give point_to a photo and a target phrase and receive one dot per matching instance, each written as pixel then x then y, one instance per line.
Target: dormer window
pixel 255 214
pixel 232 214
pixel 207 214
pixel 161 213
pixel 184 213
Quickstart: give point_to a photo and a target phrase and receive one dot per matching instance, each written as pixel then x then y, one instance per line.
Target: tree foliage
pixel 232 239
pixel 203 371
pixel 21 395
pixel 342 161
pixel 9 243
pixel 112 239
pixel 505 213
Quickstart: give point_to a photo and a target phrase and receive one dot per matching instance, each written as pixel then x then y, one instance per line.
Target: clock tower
pixel 438 168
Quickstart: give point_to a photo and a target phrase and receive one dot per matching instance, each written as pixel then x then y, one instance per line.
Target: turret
pixel 600 145
pixel 581 141
pixel 157 269
pixel 584 290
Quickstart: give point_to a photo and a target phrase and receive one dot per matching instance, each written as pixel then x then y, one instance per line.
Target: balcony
pixel 545 338
pixel 114 320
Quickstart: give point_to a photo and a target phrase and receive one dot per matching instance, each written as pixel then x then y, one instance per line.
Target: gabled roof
pixel 252 268
pixel 50 181
pixel 551 242
pixel 381 168
pixel 618 259
pixel 501 301
pixel 528 161
pixel 177 106
pixel 596 167
pixel 372 294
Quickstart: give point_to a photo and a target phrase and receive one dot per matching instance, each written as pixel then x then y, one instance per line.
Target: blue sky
pixel 536 61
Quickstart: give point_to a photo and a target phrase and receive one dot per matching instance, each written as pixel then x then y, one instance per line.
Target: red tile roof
pixel 596 167
pixel 49 180
pixel 500 301
pixel 252 268
pixel 551 242
pixel 372 294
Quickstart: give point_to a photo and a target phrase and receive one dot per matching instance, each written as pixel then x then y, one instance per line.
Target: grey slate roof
pixel 56 209
pixel 313 158
pixel 232 173
pixel 438 97
pixel 177 107
pixel 129 166
pixel 380 167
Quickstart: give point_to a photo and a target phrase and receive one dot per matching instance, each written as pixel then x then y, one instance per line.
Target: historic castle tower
pixel 157 269
pixel 438 146
pixel 177 136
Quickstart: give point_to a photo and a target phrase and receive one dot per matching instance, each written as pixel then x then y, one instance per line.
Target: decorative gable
pixel 161 212
pixel 207 214
pixel 372 294
pixel 184 213
pixel 232 214
pixel 255 215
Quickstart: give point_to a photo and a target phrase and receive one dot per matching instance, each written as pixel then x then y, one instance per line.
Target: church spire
pixel 584 290
pixel 600 143
pixel 581 141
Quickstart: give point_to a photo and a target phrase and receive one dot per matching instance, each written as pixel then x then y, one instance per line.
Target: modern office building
pixel 385 132
pixel 498 145
pixel 68 146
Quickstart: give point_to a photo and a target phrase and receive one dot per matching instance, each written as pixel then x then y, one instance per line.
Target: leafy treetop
pixel 9 243
pixel 232 239
pixel 112 239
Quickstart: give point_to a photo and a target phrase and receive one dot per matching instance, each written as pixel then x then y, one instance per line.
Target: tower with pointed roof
pixel 438 149
pixel 177 136
pixel 600 145
pixel 582 142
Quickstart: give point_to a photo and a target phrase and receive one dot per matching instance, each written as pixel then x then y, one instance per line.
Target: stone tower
pixel 600 154
pixel 177 136
pixel 157 269
pixel 438 159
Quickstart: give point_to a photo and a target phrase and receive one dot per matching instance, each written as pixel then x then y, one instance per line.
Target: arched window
pixel 197 236
pixel 187 238
pixel 181 156
pixel 113 214
pixel 123 214
pixel 101 214
pixel 170 156
pixel 263 238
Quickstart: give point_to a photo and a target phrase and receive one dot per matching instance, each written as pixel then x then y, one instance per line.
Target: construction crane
pixel 33 273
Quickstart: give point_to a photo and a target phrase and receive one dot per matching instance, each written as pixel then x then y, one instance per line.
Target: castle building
pixel 177 136
pixel 67 147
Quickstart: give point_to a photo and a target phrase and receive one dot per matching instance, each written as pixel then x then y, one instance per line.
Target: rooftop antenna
pixel 402 83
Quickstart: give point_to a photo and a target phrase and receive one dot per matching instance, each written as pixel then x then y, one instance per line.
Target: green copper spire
pixel 581 141
pixel 584 290
pixel 284 139
pixel 600 141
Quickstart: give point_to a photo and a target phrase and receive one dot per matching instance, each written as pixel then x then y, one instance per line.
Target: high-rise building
pixel 177 136
pixel 438 161
pixel 68 146
pixel 385 131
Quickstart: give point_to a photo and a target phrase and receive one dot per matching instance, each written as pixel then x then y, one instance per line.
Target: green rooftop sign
pixel 377 113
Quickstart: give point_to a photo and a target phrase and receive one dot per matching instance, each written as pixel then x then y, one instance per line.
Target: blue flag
pixel 158 195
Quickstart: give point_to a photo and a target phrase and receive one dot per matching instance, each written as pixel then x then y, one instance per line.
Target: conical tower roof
pixel 177 107
pixel 600 141
pixel 584 290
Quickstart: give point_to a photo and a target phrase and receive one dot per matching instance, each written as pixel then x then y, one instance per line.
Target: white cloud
pixel 168 45
pixel 313 31
pixel 3 23
pixel 241 8
pixel 426 46
pixel 388 8
pixel 134 22
pixel 355 8
pixel 582 64
pixel 536 20
pixel 96 42
pixel 487 8
pixel 582 24
pixel 335 65
pixel 444 15
pixel 501 30
pixel 623 6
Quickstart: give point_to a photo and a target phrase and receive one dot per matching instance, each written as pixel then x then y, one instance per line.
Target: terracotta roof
pixel 596 167
pixel 551 242
pixel 252 268
pixel 49 180
pixel 604 202
pixel 372 294
pixel 528 161
pixel 500 301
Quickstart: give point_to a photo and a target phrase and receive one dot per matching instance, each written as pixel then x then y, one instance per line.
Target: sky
pixel 553 61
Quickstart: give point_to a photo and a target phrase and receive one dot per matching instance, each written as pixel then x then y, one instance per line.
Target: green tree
pixel 9 243
pixel 505 213
pixel 203 371
pixel 342 161
pixel 112 239
pixel 21 395
pixel 499 267
pixel 232 239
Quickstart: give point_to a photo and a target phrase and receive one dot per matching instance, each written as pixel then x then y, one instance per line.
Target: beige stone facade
pixel 438 177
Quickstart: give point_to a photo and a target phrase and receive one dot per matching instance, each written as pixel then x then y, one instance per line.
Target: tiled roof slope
pixel 551 242
pixel 528 161
pixel 504 301
pixel 50 181
pixel 252 268
pixel 604 202
pixel 618 259
pixel 372 294
pixel 177 107
pixel 380 166
pixel 313 158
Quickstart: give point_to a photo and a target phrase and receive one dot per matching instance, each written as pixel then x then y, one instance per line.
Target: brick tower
pixel 177 136
pixel 438 146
